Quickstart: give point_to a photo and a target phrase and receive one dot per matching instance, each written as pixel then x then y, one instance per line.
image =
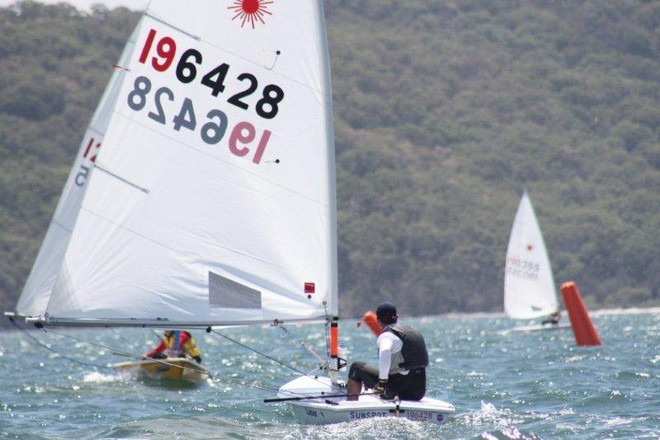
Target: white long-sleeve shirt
pixel 389 348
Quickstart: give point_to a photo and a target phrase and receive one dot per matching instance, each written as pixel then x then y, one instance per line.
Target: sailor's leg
pixel 358 374
pixel 353 388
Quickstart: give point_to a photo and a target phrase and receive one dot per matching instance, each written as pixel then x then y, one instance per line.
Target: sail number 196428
pixel 161 54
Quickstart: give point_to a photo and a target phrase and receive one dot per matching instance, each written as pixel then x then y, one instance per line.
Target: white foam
pixel 96 377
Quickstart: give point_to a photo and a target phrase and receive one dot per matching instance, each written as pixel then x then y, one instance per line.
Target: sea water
pixel 57 384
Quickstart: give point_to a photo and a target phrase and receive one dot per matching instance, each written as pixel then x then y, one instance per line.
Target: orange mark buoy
pixel 370 319
pixel 583 327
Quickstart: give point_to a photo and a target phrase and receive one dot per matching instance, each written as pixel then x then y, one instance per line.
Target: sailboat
pixel 203 194
pixel 169 371
pixel 529 287
pixel 175 362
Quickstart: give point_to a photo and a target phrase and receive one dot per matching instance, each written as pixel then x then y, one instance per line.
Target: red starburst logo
pixel 250 11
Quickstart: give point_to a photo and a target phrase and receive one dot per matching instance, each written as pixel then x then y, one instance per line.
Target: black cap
pixel 386 310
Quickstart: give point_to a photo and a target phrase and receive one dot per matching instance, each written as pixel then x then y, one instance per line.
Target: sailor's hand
pixel 381 388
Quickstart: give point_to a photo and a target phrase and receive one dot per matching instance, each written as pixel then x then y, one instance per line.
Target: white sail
pixel 212 201
pixel 529 287
pixel 39 285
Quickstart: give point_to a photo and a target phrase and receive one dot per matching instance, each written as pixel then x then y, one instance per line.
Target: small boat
pixel 323 408
pixel 169 369
pixel 529 287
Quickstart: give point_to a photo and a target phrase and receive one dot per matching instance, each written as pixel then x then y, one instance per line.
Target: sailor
pixel 553 319
pixel 402 361
pixel 176 343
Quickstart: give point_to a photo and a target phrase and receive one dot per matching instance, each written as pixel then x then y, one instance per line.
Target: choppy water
pixel 534 385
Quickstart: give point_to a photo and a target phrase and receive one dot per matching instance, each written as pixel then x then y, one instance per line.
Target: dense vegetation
pixel 444 112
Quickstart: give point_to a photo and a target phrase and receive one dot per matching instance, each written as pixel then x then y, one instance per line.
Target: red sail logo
pixel 250 11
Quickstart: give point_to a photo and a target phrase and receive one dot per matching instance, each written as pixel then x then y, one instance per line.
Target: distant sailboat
pixel 212 199
pixel 529 286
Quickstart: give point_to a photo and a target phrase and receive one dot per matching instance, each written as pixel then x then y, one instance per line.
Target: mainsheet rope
pixel 277 361
pixel 41 344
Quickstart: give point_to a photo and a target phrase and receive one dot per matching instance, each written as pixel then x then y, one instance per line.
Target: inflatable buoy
pixel 370 319
pixel 583 327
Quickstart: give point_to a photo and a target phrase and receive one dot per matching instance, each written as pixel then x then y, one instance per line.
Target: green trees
pixel 473 102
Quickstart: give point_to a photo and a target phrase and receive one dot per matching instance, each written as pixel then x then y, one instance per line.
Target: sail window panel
pixel 227 294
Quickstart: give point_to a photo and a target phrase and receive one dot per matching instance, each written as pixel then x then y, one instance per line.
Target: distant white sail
pixel 212 200
pixel 529 287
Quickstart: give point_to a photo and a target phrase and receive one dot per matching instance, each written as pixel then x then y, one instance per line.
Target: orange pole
pixel 334 349
pixel 370 319
pixel 583 327
pixel 334 339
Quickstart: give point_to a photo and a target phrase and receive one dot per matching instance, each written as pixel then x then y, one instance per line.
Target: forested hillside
pixel 444 112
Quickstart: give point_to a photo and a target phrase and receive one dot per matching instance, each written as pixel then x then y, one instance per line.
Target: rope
pixel 86 341
pixel 39 343
pixel 277 361
pixel 302 343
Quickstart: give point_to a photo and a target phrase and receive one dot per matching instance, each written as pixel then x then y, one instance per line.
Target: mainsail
pixel 212 199
pixel 529 287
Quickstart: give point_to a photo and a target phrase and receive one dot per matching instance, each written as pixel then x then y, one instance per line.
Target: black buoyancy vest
pixel 414 348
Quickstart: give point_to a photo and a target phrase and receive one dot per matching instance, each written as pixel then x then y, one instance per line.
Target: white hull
pixel 539 327
pixel 321 411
